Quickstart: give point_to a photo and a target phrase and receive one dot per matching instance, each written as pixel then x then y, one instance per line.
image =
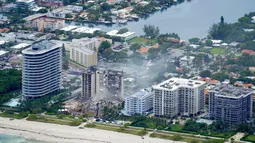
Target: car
pixel 11 119
pixel 81 127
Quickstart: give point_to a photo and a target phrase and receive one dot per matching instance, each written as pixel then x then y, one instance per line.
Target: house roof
pixel 250 52
pixel 3 30
pixel 143 50
pixel 155 46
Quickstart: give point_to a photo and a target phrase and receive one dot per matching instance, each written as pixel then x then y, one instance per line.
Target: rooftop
pixel 69 28
pixel 34 16
pixel 41 47
pixel 115 33
pixel 86 30
pixel 26 1
pixel 227 90
pixel 175 83
pixel 2 52
pixel 49 20
pixel 20 46
pixel 142 93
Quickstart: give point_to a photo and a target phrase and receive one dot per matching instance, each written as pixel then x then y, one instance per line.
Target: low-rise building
pixel 7 7
pixel 139 102
pixel 30 4
pixel 3 53
pixel 230 104
pixel 125 36
pixel 52 24
pixel 178 96
pixel 4 19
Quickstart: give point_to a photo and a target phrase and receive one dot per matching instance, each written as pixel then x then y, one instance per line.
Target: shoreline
pixel 54 133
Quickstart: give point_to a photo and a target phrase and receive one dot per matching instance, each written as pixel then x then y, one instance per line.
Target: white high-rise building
pixel 140 102
pixel 178 96
pixel 41 69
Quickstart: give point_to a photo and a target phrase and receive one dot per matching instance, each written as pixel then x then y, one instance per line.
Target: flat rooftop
pixel 124 35
pixel 2 52
pixel 69 28
pixel 175 83
pixel 86 30
pixel 20 46
pixel 41 47
pixel 227 90
pixel 142 93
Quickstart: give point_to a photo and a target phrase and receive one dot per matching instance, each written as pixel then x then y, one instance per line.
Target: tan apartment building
pixel 83 56
pixel 43 23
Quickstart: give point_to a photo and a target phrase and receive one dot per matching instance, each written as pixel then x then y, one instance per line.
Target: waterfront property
pixel 177 96
pixel 41 70
pixel 139 102
pixel 44 23
pixel 125 36
pixel 230 104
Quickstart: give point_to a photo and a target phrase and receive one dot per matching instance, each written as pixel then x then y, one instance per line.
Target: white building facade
pixel 41 69
pixel 140 102
pixel 178 96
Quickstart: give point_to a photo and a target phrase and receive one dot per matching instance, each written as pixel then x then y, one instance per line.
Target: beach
pixel 66 134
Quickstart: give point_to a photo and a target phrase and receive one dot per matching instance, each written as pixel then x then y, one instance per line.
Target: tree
pixel 222 20
pixel 194 40
pixel 151 31
pixel 244 19
pixel 208 43
pixel 104 45
pixel 205 73
pixel 44 10
pixel 106 7
pixel 153 53
pixel 177 137
pixel 245 127
pixel 68 15
pixel 122 31
pixel 135 47
pixel 65 63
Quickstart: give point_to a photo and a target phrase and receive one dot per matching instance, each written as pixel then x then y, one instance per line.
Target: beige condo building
pixel 83 56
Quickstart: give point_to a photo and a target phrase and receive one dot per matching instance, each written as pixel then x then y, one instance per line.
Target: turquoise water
pixel 16 139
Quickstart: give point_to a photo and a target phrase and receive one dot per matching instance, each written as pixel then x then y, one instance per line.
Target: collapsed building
pixel 102 84
pixel 113 83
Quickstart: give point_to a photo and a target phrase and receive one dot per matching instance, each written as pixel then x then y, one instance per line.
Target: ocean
pixel 16 139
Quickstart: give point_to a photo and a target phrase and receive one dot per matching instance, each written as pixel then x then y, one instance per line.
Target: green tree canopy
pixel 208 43
pixel 103 46
pixel 122 31
pixel 205 73
pixel 151 31
pixel 194 40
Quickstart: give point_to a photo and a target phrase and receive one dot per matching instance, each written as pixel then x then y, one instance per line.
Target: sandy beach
pixel 67 134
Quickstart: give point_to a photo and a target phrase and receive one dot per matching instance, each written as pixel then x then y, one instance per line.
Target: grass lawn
pixel 250 138
pixel 141 40
pixel 54 120
pixel 182 138
pixel 176 128
pixel 14 115
pixel 133 131
pixel 217 51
